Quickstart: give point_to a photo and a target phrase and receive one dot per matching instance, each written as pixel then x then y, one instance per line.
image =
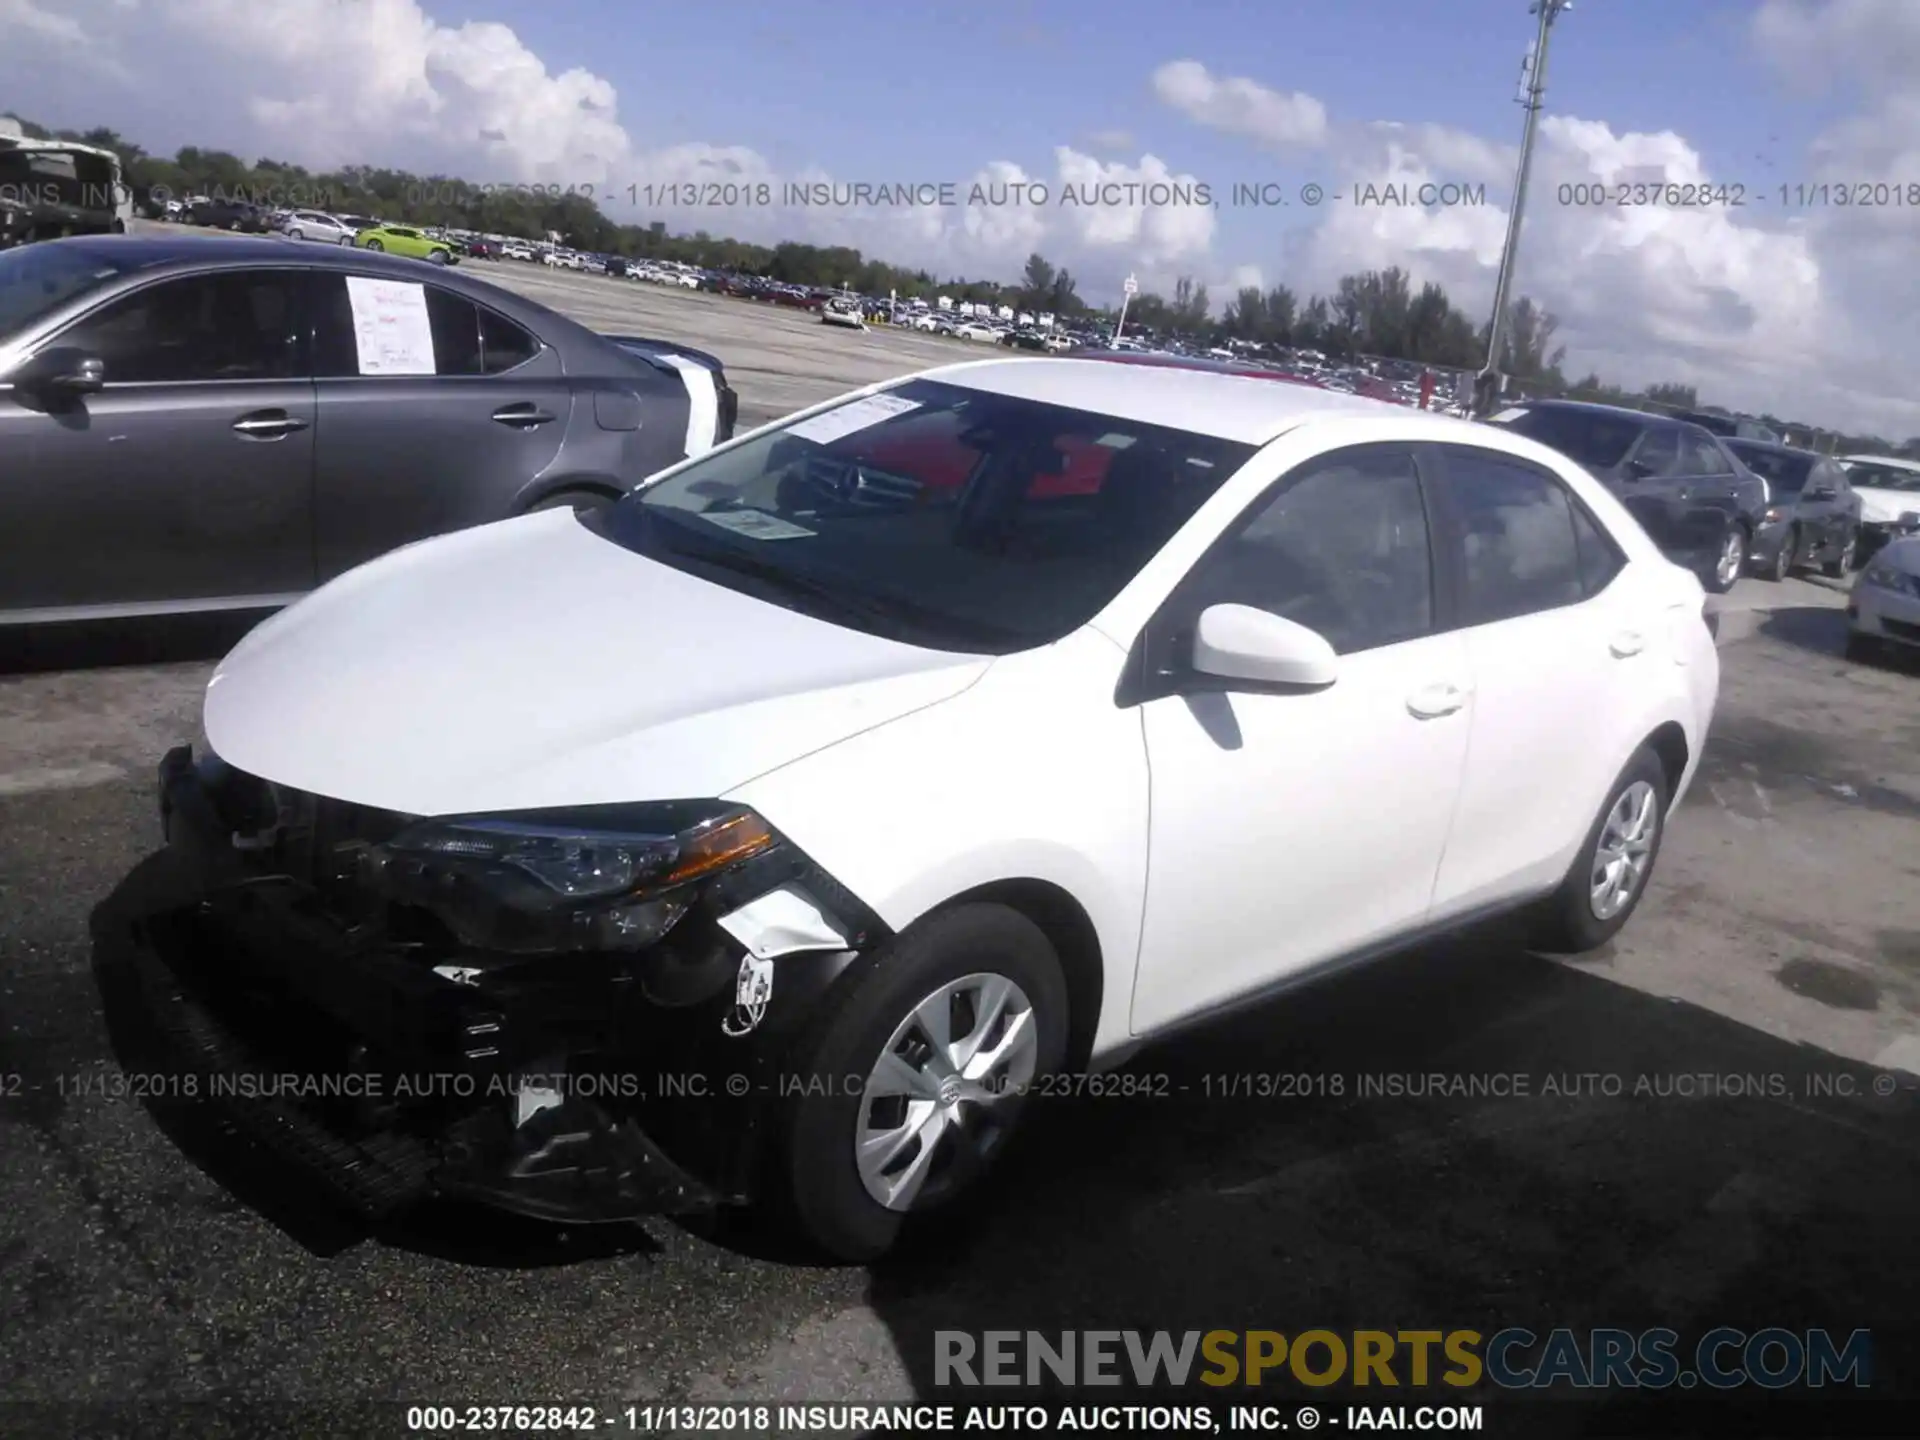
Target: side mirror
pixel 63 371
pixel 1238 642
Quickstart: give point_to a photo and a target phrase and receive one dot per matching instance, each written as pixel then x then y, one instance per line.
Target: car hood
pixel 531 663
pixel 1883 507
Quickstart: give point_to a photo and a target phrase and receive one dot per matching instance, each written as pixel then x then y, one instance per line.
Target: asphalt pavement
pixel 1710 1122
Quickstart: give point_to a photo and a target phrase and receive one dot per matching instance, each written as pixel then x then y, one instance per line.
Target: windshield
pixel 36 280
pixel 1883 477
pixel 1784 472
pixel 1591 437
pixel 933 514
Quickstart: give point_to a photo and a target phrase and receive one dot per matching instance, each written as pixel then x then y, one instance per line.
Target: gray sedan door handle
pixel 521 416
pixel 268 425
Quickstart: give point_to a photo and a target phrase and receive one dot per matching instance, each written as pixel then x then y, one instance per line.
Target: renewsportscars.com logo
pixel 1512 1359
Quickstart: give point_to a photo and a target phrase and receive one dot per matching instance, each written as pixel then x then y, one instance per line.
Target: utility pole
pixel 1535 88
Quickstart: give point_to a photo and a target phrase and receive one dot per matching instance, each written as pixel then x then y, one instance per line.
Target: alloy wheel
pixel 1626 848
pixel 942 1096
pixel 1733 553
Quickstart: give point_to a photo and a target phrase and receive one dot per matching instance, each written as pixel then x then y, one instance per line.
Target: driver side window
pixel 1343 549
pixel 230 325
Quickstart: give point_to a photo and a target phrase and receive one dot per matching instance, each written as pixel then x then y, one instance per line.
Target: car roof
pixel 222 251
pixel 1245 408
pixel 1594 407
pixel 1894 462
pixel 1738 443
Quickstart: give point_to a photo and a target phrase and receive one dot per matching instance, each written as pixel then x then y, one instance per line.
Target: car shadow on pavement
pixel 1470 1137
pixel 1823 631
pixel 170 640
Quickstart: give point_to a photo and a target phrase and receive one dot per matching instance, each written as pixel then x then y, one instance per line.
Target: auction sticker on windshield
pixel 756 524
pixel 855 415
pixel 390 326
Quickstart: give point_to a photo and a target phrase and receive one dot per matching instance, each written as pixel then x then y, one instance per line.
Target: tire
pixel 965 951
pixel 1862 649
pixel 578 501
pixel 296 234
pixel 1841 565
pixel 375 245
pixel 1722 575
pixel 438 257
pixel 1780 568
pixel 1573 920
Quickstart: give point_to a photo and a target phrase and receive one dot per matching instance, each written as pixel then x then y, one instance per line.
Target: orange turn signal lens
pixel 716 845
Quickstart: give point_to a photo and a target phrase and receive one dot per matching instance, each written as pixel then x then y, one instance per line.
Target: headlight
pixel 546 883
pixel 1885 577
pixel 1774 513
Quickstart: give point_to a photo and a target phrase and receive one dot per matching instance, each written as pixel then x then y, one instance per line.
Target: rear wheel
pixel 1729 560
pixel 1780 567
pixel 1603 889
pixel 926 1064
pixel 438 257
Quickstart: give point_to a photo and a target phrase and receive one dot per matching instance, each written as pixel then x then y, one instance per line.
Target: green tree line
pixel 1377 314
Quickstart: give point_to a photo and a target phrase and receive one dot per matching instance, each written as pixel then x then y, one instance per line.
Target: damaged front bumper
pixel 390 1064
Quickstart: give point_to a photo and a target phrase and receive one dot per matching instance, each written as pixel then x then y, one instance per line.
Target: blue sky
pixel 928 92
pixel 1806 312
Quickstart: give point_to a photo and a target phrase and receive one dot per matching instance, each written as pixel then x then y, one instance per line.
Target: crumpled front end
pixel 344 1023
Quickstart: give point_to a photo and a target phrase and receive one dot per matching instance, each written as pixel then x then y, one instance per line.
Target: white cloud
pixel 1240 106
pixel 1805 315
pixel 26 17
pixel 1808 313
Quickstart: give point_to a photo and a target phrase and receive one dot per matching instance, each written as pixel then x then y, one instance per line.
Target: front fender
pixel 1033 773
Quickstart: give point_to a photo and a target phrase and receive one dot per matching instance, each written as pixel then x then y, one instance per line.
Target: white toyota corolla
pixel 769 835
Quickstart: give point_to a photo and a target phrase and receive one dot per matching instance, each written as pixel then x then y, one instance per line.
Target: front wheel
pixel 1841 565
pixel 1610 875
pixel 1729 560
pixel 375 245
pixel 924 1070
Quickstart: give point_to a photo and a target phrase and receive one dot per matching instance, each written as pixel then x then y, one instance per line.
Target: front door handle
pixel 268 425
pixel 1435 701
pixel 1627 642
pixel 521 417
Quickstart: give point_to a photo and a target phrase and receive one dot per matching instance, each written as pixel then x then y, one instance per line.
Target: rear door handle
pixel 268 425
pixel 521 417
pixel 1436 700
pixel 1627 642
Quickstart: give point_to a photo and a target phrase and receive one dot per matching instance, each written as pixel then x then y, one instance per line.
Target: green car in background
pixel 405 240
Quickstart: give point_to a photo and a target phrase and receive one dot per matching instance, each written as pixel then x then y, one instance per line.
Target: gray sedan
pixel 197 423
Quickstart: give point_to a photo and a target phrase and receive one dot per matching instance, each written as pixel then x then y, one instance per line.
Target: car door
pixel 1709 492
pixel 187 479
pixel 418 439
pixel 1291 829
pixel 1555 632
pixel 1651 487
pixel 1820 513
